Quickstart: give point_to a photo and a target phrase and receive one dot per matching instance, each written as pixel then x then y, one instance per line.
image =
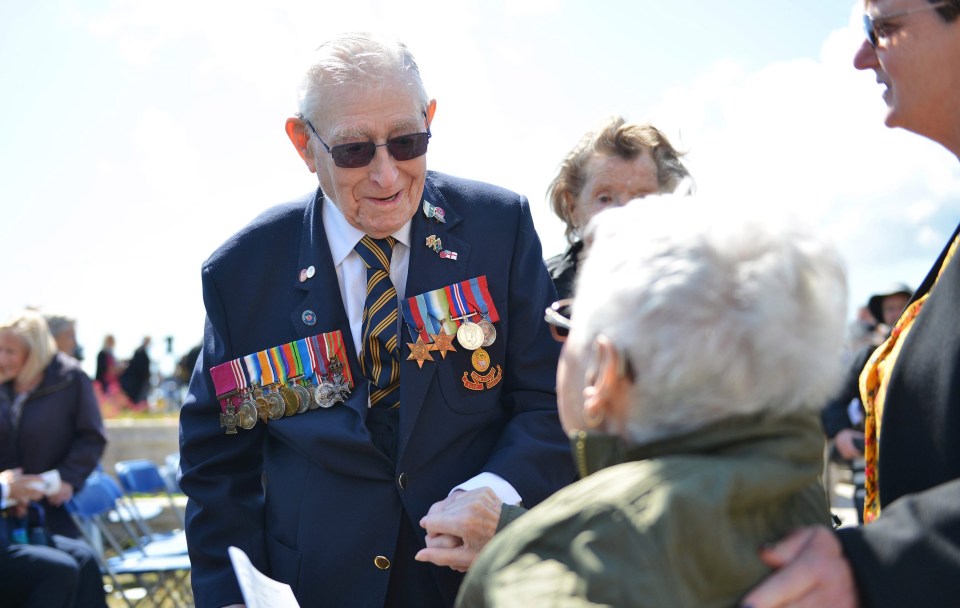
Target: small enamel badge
pixel 432 211
pixel 433 242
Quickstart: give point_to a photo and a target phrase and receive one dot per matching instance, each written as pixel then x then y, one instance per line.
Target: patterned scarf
pixel 873 390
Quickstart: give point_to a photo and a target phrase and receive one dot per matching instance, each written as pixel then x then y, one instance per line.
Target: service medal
pixel 489 332
pixel 275 406
pixel 306 399
pixel 469 335
pixel 291 400
pixel 248 414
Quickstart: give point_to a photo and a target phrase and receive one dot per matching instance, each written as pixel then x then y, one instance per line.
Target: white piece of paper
pixel 259 590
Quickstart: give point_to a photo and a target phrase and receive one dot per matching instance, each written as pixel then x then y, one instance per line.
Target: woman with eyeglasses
pixel 908 553
pixel 618 162
pixel 692 405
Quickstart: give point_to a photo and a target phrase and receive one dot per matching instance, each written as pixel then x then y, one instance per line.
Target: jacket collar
pixel 796 437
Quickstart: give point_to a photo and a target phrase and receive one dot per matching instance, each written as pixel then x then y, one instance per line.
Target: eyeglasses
pixel 557 317
pixel 359 154
pixel 873 26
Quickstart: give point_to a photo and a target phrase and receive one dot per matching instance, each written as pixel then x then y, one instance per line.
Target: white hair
pixel 358 58
pixel 719 313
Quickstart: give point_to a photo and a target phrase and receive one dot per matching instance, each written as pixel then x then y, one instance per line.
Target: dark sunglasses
pixel 872 26
pixel 557 317
pixel 359 154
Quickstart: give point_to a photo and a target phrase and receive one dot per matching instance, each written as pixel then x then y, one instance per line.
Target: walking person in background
pixel 108 369
pixel 908 552
pixel 135 379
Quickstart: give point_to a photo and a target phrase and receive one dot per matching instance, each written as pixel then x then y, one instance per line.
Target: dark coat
pixel 332 501
pixel 60 428
pixel 911 555
pixel 563 270
pixel 136 378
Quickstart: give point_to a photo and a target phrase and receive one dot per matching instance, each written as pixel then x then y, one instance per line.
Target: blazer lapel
pixel 427 271
pixel 321 309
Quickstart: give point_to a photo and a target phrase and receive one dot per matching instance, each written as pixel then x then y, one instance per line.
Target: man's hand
pixel 811 571
pixel 65 494
pixel 459 526
pixel 844 443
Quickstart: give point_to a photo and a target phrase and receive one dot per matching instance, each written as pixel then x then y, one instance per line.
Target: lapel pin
pixel 432 211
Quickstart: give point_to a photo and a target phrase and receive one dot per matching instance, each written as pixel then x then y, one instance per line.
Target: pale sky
pixel 136 136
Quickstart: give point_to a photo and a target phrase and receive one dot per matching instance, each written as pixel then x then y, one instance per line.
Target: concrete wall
pixel 153 439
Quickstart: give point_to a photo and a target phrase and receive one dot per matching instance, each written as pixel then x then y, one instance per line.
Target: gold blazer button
pixel 381 562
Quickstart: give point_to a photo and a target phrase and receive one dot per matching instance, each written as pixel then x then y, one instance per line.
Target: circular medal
pixel 324 394
pixel 248 414
pixel 489 332
pixel 306 399
pixel 480 360
pixel 291 400
pixel 275 406
pixel 469 335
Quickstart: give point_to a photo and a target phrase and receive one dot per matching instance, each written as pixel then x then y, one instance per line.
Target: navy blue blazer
pixel 309 498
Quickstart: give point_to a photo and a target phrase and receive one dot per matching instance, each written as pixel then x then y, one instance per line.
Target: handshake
pixel 459 526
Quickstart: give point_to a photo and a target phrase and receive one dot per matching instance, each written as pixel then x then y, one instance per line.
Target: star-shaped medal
pixel 419 352
pixel 442 343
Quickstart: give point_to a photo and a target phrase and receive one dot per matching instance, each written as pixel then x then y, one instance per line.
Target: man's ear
pixel 602 381
pixel 431 110
pixel 297 132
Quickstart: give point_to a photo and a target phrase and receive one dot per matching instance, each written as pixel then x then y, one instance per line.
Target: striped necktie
pixel 379 354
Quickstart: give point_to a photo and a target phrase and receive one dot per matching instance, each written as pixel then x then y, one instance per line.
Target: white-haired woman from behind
pixel 699 351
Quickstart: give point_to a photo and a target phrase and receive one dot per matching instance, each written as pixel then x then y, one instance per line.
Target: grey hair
pixel 358 57
pixel 720 313
pixel 59 323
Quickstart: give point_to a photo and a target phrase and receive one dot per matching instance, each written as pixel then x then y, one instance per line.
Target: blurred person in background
pixel 908 552
pixel 64 332
pixel 108 369
pixel 135 379
pixel 843 414
pixel 49 418
pixel 692 406
pixel 618 162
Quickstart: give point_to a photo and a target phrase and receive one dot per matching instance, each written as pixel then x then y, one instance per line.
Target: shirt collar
pixel 343 237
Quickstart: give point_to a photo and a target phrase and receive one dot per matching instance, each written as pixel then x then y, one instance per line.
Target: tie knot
pixel 376 253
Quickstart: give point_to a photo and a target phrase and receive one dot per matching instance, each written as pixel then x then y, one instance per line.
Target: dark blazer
pixel 911 555
pixel 60 428
pixel 309 498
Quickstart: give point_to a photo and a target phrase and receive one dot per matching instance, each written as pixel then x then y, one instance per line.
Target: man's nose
pixel 383 168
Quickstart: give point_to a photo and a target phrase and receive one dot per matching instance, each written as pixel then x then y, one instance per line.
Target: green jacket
pixel 678 523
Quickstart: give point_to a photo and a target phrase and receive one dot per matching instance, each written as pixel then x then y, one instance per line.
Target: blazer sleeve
pixel 910 556
pixel 533 453
pixel 218 468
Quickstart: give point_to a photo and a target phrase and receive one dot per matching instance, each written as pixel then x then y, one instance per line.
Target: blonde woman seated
pixel 699 351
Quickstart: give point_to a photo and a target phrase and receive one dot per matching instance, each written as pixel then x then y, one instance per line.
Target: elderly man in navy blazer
pixel 368 350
